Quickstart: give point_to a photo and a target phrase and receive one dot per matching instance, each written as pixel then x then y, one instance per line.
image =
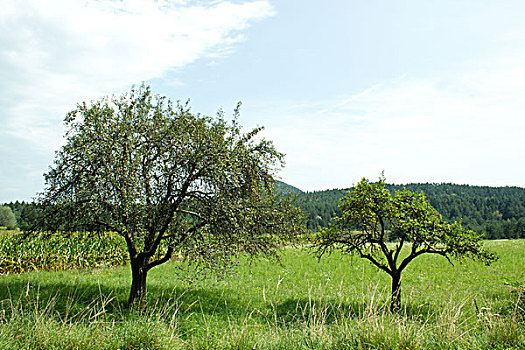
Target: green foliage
pixel 319 206
pixel 153 172
pixel 371 216
pixel 25 214
pixel 19 254
pixel 285 188
pixel 499 212
pixel 7 218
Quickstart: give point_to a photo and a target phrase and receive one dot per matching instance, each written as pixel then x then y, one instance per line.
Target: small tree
pixel 391 230
pixel 7 217
pixel 168 181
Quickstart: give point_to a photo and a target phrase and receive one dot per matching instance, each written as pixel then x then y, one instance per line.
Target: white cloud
pixel 465 127
pixel 56 53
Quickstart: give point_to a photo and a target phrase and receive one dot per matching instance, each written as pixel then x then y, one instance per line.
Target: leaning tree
pixel 168 181
pixel 391 230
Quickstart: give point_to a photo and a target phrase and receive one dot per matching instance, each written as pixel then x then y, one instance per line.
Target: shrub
pixel 7 217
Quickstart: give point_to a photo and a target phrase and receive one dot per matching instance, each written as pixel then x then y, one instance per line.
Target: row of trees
pixel 25 214
pixel 497 211
pixel 169 182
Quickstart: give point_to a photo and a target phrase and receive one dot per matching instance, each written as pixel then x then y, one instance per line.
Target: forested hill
pixel 497 211
pixel 284 187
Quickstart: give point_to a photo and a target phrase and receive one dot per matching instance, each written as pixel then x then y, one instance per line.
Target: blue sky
pixel 428 91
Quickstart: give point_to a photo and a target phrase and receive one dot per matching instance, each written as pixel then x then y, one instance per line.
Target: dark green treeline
pixel 497 211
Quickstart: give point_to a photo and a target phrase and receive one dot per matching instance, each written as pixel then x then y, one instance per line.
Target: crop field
pixel 55 252
pixel 335 303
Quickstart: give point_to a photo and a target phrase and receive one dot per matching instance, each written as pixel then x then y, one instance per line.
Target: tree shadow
pixel 314 311
pixel 308 311
pixel 84 299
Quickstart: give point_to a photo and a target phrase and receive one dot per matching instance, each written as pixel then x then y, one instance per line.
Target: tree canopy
pixel 168 181
pixel 371 217
pixel 7 217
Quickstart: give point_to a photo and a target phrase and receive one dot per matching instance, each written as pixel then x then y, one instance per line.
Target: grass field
pixel 337 303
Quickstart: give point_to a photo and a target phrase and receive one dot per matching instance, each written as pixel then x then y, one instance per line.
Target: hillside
pixel 497 211
pixel 284 187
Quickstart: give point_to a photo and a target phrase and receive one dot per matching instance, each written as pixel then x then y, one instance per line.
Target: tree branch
pixel 110 226
pixel 375 262
pixel 173 209
pixel 182 211
pixel 413 255
pixel 399 248
pixel 164 259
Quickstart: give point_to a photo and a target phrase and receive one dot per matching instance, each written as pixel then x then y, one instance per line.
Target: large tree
pixel 168 181
pixel 391 230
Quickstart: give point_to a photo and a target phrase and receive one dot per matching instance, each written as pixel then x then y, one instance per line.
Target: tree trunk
pixel 139 274
pixel 395 303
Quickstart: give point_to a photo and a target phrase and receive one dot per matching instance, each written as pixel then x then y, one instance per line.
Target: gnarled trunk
pixel 395 302
pixel 139 273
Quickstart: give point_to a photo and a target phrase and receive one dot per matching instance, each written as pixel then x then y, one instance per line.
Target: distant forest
pixel 499 212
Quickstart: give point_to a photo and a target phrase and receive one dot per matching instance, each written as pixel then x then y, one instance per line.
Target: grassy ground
pixel 337 303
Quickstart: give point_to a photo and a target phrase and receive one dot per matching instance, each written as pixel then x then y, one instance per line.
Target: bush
pixel 7 217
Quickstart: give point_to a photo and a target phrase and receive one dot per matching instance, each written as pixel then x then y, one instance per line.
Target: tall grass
pixel 337 303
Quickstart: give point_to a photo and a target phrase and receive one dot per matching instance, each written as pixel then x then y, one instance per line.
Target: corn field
pixel 58 252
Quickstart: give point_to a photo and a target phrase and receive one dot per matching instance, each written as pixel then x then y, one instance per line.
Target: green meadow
pixel 338 302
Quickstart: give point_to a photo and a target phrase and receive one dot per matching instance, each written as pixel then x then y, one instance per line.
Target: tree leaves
pixel 377 225
pixel 153 171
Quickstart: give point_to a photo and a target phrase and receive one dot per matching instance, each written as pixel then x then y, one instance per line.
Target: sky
pixel 426 91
